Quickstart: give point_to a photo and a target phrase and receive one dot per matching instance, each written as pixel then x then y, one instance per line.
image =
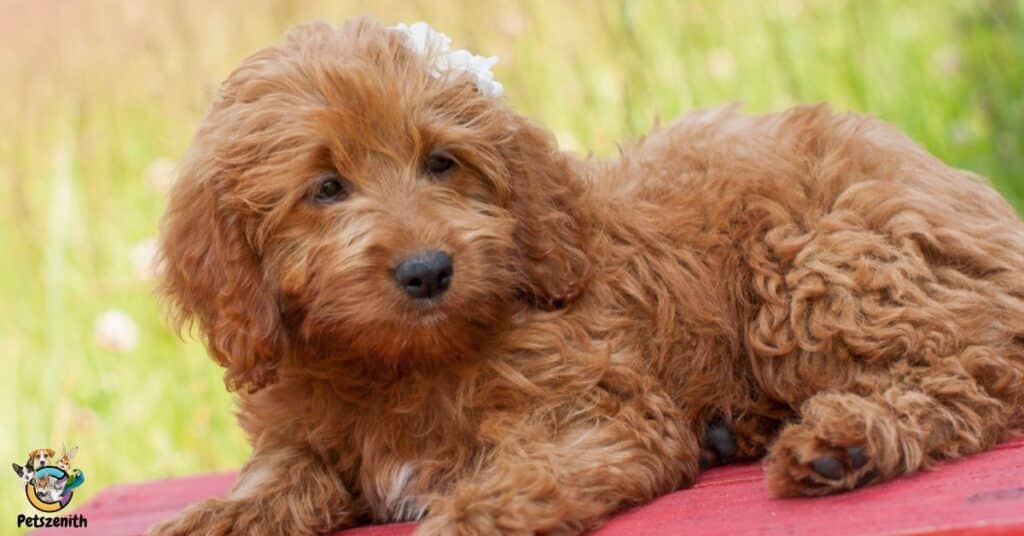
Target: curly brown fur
pixel 850 305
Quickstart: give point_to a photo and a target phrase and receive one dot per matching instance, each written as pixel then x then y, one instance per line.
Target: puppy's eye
pixel 331 189
pixel 439 163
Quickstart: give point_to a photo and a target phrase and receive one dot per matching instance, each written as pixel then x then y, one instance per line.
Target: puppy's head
pixel 343 201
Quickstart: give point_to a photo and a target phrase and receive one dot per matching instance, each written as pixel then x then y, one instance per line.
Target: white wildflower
pixel 721 64
pixel 567 141
pixel 116 331
pixel 144 259
pixel 428 42
pixel 160 174
pixel 960 133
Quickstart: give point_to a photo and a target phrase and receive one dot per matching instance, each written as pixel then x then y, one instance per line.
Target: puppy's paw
pixel 466 514
pixel 449 525
pixel 719 444
pixel 172 527
pixel 802 462
pixel 211 517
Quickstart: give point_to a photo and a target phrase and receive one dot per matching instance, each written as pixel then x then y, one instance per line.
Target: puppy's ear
pixel 212 274
pixel 549 231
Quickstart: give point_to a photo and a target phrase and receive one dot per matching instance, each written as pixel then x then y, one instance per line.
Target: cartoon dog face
pixel 39 458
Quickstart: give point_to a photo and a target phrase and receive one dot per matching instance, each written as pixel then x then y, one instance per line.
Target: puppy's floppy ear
pixel 212 273
pixel 545 192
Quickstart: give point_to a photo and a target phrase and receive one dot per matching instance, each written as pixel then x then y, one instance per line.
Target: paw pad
pixel 833 470
pixel 857 456
pixel 828 467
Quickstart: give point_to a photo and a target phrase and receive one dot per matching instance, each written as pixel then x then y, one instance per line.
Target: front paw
pixel 440 526
pixel 802 463
pixel 211 518
pixel 452 523
pixel 719 444
pixel 465 516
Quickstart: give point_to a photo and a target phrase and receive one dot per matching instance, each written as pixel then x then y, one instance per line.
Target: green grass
pixel 95 93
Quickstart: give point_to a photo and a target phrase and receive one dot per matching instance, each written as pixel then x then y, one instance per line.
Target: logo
pixel 49 481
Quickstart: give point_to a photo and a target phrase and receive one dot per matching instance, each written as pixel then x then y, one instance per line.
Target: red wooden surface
pixel 983 494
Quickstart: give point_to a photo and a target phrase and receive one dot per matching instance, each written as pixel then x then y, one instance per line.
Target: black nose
pixel 425 275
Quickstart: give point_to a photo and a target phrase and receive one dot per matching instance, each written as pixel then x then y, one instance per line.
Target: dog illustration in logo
pixel 39 458
pixel 49 482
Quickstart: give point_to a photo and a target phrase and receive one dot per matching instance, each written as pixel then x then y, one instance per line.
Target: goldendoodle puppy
pixel 430 312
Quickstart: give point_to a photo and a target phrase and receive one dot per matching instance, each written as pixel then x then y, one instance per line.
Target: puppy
pixel 430 312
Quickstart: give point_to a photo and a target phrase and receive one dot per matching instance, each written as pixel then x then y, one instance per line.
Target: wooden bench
pixel 982 494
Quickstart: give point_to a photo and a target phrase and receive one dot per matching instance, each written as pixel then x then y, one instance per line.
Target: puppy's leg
pixel 286 491
pixel 846 440
pixel 570 481
pixel 897 321
pixel 745 437
pixel 719 444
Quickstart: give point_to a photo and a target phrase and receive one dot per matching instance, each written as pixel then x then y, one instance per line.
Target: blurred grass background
pixel 101 96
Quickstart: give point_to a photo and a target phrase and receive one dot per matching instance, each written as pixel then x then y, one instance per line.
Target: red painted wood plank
pixel 980 495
